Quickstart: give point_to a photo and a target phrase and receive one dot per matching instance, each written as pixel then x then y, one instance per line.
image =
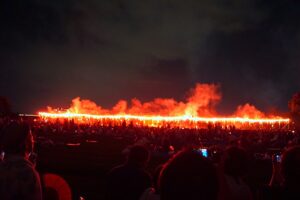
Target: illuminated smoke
pixel 201 102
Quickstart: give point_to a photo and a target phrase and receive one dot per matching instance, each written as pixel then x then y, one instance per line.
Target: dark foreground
pixel 84 167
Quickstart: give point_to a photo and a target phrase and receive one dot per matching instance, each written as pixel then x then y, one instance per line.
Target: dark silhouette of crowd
pixel 227 170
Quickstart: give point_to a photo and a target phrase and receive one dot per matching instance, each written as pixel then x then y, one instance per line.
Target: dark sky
pixel 55 50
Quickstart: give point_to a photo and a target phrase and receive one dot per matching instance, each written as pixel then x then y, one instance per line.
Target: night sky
pixel 55 50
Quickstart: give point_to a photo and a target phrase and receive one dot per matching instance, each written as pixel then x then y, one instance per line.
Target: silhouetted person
pixel 285 182
pixel 188 175
pixel 234 166
pixel 18 178
pixel 294 106
pixel 152 193
pixel 290 168
pixel 129 180
pixel 156 177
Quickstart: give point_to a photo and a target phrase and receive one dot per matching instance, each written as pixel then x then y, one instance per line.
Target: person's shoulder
pixel 18 165
pixel 116 170
pixel 27 173
pixel 23 179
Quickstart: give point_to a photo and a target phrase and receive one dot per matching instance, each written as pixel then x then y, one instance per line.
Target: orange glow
pixel 196 112
pixel 164 118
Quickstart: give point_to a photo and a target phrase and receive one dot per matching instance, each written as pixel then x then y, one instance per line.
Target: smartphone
pixel 203 152
pixel 278 158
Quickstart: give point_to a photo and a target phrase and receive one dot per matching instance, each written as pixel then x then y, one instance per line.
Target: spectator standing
pixel 18 177
pixel 129 180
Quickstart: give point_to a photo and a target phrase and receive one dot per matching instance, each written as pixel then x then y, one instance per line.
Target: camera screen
pixel 204 152
pixel 278 158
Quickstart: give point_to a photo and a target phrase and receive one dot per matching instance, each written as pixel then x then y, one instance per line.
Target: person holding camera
pixel 285 180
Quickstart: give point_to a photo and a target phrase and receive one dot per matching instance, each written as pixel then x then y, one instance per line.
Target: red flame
pixel 249 111
pixel 201 102
pixel 199 106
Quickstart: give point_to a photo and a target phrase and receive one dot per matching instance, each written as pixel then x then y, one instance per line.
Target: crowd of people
pixel 222 171
pixel 261 143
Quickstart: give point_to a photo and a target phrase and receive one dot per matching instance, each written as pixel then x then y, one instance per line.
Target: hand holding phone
pixel 276 175
pixel 278 158
pixel 203 152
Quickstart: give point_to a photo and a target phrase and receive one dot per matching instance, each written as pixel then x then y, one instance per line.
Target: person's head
pixel 188 175
pixel 235 161
pixel 16 138
pixel 290 165
pixel 138 155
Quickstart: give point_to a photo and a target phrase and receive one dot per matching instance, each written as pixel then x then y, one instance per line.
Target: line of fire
pixel 197 112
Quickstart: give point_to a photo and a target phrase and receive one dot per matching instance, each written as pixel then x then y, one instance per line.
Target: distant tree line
pixel 5 107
